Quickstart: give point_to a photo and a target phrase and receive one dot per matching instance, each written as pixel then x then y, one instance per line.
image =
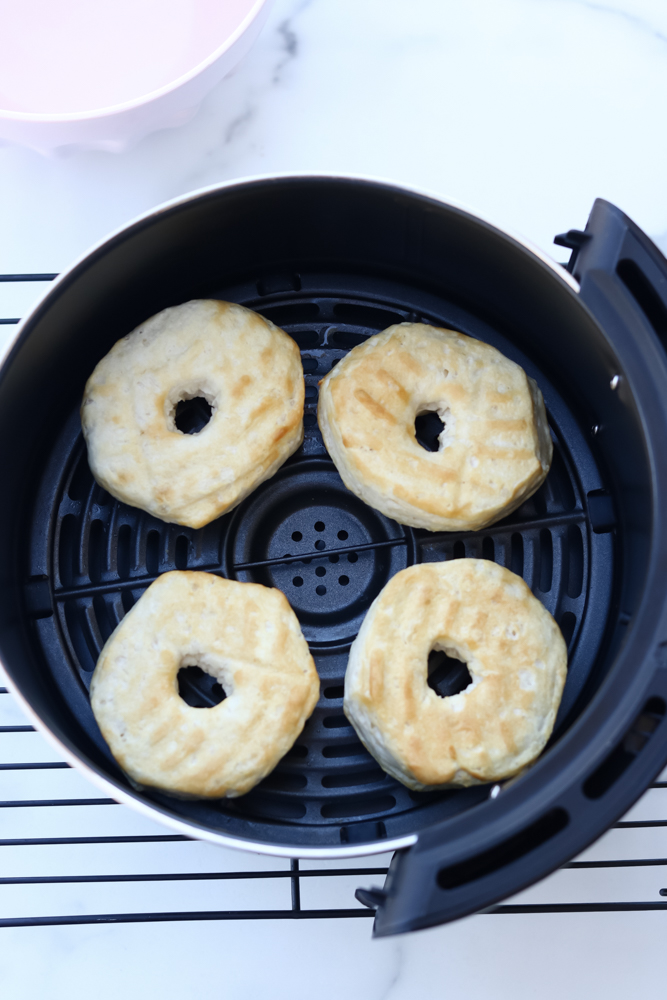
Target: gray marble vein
pixel 397 953
pixel 627 13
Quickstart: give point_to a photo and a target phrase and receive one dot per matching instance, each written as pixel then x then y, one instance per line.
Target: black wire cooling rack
pixel 70 857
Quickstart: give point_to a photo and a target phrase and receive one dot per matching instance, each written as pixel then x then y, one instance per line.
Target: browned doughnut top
pixel 244 635
pixel 495 449
pixel 247 369
pixel 484 615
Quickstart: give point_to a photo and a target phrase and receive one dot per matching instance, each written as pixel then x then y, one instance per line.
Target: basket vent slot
pixel 342 808
pixel 124 551
pixel 346 339
pixel 347 780
pixel 336 722
pixel 346 750
pixel 505 853
pixel 272 806
pixel 127 600
pixel 295 312
pixel 306 339
pixel 516 554
pixel 567 624
pixel 366 316
pixel 546 560
pixel 181 552
pixel 575 552
pixel 632 744
pixel 153 552
pixel 104 621
pixel 561 482
pixel 68 562
pixel 84 647
pixel 80 483
pixel 96 551
pixel 284 781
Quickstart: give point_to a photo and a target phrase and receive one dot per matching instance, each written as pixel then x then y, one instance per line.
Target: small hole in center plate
pixel 296 536
pixel 319 525
pixel 321 590
pixel 320 571
pixel 342 535
pixel 343 580
pixel 298 581
pixel 319 544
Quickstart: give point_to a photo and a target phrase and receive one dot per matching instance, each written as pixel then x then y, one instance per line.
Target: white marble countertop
pixel 525 110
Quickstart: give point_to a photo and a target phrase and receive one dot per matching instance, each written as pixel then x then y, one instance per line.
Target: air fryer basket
pixel 333 261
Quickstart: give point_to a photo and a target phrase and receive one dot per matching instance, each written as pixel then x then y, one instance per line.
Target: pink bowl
pixel 93 75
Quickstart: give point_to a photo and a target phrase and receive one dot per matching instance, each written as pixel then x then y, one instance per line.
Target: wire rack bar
pixel 197 876
pixel 50 841
pixel 27 277
pixel 50 765
pixel 41 803
pixel 580 907
pixel 188 915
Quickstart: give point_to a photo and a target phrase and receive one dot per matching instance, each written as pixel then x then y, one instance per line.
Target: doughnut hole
pixel 431 426
pixel 447 672
pixel 189 409
pixel 198 688
pixel 192 415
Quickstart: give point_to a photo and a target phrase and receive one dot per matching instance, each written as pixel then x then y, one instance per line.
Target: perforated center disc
pixel 349 550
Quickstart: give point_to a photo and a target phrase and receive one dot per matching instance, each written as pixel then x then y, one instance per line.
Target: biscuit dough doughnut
pixel 243 634
pixel 495 449
pixel 479 613
pixel 247 369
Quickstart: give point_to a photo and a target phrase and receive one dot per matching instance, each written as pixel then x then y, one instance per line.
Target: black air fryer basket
pixel 332 261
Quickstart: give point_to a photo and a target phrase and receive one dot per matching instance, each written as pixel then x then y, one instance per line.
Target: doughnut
pixel 249 372
pixel 243 634
pixel 495 449
pixel 484 615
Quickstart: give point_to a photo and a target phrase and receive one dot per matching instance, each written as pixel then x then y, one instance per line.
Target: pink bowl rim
pixel 137 102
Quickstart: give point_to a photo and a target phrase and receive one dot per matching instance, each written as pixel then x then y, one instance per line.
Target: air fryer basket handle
pixel 620 270
pixel 453 872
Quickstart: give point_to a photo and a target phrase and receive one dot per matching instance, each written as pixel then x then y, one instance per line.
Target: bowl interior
pixel 75 57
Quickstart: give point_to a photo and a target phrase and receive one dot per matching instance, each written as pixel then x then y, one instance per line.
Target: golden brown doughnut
pixel 484 615
pixel 495 449
pixel 244 635
pixel 247 369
